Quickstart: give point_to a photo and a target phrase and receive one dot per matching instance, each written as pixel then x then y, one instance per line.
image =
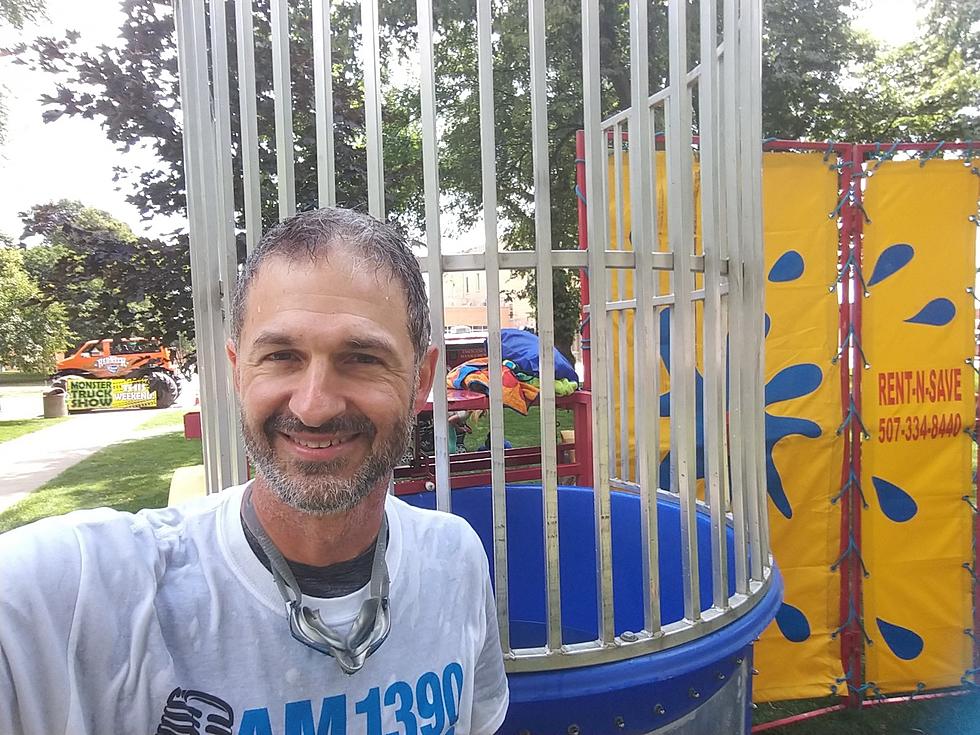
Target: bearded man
pixel 309 600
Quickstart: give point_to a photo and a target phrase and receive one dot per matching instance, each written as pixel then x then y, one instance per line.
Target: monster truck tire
pixel 165 387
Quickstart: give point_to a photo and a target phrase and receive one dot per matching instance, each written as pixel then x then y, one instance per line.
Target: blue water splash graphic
pixel 794 381
pixel 904 643
pixel 792 623
pixel 788 267
pixel 896 504
pixel 892 259
pixel 937 313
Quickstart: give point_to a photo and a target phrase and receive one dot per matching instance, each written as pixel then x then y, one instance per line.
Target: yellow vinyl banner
pixel 917 401
pixel 621 288
pixel 797 656
pixel 88 395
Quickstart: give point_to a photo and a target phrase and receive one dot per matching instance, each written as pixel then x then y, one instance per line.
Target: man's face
pixel 327 380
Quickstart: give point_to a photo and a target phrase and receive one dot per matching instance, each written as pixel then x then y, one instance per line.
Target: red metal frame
pixel 803 716
pixel 472 469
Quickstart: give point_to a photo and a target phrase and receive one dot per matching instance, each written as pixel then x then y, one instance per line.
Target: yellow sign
pixel 88 395
pixel 918 398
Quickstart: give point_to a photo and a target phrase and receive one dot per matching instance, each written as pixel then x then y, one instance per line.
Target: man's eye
pixel 279 356
pixel 363 359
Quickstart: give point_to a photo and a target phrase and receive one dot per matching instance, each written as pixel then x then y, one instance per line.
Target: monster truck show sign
pixel 86 395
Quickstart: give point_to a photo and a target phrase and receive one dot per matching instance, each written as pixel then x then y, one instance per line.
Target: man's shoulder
pixel 61 541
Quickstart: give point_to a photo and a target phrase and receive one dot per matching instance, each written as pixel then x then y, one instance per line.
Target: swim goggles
pixel 373 622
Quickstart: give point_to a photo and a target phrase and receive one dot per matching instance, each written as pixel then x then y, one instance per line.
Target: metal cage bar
pixel 595 162
pixel 680 226
pixel 545 323
pixel 282 92
pixel 326 174
pixel 251 182
pixel 491 257
pixel 726 80
pixel 433 238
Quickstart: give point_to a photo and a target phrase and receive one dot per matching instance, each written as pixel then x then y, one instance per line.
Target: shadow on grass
pixel 128 476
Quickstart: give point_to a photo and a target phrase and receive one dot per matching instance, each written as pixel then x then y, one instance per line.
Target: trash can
pixel 55 403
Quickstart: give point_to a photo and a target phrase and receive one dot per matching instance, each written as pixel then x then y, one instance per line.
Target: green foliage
pixel 109 282
pixel 18 12
pixel 31 331
pixel 821 80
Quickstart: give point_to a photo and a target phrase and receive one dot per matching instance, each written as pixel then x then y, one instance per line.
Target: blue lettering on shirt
pixel 426 708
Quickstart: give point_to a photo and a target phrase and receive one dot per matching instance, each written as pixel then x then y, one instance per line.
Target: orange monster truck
pixel 104 359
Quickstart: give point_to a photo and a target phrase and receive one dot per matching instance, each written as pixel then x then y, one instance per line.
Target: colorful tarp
pixel 918 397
pixel 796 657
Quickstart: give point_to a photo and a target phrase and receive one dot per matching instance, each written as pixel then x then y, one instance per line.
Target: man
pixel 192 620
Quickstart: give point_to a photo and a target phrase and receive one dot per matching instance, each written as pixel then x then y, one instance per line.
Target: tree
pixel 110 282
pixel 811 59
pixel 31 332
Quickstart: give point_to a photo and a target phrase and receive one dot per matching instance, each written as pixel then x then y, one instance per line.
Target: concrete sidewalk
pixel 29 461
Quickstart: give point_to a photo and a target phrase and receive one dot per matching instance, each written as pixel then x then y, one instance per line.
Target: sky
pixel 71 159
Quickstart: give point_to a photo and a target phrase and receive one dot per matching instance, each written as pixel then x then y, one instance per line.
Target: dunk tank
pixel 630 556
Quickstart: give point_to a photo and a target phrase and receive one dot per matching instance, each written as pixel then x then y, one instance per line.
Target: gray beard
pixel 314 487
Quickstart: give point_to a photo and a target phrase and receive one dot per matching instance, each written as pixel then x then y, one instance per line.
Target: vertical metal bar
pixel 751 358
pixel 282 92
pixel 758 264
pixel 371 59
pixel 736 322
pixel 544 277
pixel 224 249
pixel 248 118
pixel 202 205
pixel 433 239
pixel 484 26
pixel 643 218
pixel 714 359
pixel 680 227
pixel 326 177
pixel 620 275
pixel 595 163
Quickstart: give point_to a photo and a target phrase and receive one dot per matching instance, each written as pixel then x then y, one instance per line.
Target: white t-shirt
pixel 166 622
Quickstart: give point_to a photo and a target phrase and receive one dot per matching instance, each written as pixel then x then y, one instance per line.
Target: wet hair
pixel 318 232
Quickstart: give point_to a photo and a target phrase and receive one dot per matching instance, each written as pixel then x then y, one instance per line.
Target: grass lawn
pixel 164 418
pixel 946 716
pixel 521 431
pixel 18 427
pixel 15 378
pixel 128 476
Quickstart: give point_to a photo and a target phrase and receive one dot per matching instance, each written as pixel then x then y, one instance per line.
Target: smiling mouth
pixel 321 443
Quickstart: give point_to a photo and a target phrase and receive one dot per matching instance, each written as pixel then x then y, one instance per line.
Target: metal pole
pixel 643 219
pixel 680 228
pixel 372 107
pixel 249 123
pixel 494 357
pixel 715 475
pixel 545 316
pixel 282 91
pixel 433 238
pixel 326 175
pixel 595 162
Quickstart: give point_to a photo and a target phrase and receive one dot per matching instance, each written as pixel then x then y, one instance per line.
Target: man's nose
pixel 318 396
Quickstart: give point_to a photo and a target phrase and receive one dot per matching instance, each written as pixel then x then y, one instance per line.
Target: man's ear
pixel 427 374
pixel 232 351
